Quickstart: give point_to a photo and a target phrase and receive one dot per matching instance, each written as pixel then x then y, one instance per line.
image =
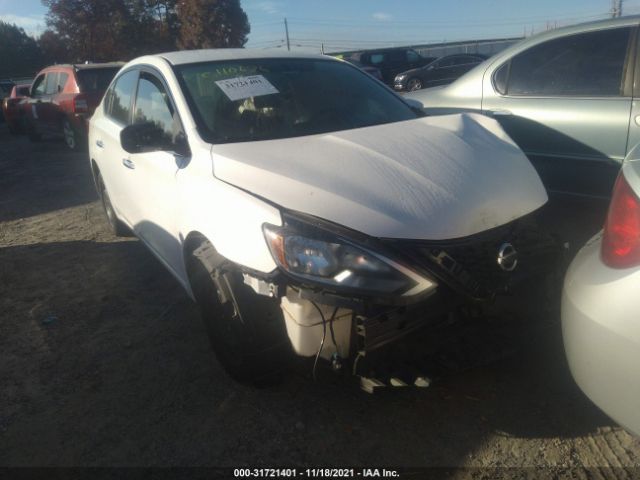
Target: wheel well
pixel 193 241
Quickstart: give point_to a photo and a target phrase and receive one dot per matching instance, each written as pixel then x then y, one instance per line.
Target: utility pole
pixel 286 31
pixel 616 8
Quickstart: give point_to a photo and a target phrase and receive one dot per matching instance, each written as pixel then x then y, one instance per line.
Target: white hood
pixel 431 178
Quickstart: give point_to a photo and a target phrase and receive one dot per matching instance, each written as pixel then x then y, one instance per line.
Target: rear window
pixel 22 91
pixel 95 79
pixel 278 98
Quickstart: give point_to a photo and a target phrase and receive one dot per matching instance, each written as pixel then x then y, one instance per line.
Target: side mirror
pixel 149 137
pixel 143 137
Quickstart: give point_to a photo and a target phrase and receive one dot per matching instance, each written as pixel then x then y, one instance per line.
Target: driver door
pixel 152 187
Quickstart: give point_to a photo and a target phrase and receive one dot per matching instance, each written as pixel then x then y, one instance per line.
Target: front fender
pixel 230 218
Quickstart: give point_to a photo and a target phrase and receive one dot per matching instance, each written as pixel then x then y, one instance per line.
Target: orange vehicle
pixel 63 98
pixel 11 107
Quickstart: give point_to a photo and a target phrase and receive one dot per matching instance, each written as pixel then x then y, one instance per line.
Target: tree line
pixel 109 30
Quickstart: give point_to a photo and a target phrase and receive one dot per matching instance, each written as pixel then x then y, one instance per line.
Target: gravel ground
pixel 104 362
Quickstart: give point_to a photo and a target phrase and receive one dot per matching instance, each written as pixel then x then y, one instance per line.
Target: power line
pixel 447 23
pixel 412 37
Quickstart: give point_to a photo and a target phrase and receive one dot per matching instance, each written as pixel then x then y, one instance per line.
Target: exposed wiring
pixel 355 363
pixel 324 334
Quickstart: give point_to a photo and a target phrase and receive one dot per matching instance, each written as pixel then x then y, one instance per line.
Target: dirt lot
pixel 104 361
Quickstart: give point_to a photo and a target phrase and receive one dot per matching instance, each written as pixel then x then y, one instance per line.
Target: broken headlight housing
pixel 317 253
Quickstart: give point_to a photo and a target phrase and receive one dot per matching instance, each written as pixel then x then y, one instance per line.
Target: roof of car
pixel 88 66
pixel 586 26
pixel 215 54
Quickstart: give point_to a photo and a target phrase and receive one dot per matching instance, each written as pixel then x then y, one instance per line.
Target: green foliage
pixel 20 54
pixel 212 24
pixel 106 30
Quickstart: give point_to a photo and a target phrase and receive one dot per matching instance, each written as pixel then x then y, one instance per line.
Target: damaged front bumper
pixel 333 323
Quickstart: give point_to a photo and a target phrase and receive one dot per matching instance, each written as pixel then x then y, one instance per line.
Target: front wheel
pixel 246 330
pixel 414 84
pixel 116 226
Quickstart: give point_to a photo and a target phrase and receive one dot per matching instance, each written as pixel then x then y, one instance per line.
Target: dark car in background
pixel 11 107
pixel 5 90
pixel 439 72
pixel 63 98
pixel 373 71
pixel 391 61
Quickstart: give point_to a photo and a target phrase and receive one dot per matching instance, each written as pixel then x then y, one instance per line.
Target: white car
pixel 305 206
pixel 601 306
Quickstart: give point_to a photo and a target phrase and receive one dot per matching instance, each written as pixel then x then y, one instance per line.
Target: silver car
pixel 566 97
pixel 600 306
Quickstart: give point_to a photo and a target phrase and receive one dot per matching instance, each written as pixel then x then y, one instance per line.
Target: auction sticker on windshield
pixel 239 88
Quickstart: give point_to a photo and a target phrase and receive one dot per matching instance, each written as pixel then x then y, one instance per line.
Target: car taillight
pixel 621 240
pixel 80 104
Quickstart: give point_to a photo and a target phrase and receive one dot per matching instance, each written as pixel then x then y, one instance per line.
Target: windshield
pixel 266 99
pixel 95 79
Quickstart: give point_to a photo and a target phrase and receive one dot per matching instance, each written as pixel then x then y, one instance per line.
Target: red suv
pixel 63 98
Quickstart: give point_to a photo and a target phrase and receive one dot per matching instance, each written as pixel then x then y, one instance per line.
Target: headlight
pixel 400 78
pixel 318 256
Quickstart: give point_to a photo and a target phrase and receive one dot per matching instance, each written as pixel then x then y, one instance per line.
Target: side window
pixel 376 58
pixel 396 56
pixel 38 86
pixel 412 57
pixel 457 61
pixel 583 64
pixel 120 96
pixel 62 81
pixel 500 78
pixel 153 107
pixel 51 84
pixel 447 62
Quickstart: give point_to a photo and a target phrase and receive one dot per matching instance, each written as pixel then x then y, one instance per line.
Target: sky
pixel 357 24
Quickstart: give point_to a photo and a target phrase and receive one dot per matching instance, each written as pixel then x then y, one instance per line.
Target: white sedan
pixel 601 306
pixel 305 206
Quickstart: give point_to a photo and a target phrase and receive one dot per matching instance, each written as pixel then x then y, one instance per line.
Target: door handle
pixel 99 144
pixel 500 113
pixel 128 163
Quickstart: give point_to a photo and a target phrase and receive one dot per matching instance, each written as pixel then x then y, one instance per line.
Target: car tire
pixel 246 330
pixel 71 136
pixel 116 226
pixel 414 84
